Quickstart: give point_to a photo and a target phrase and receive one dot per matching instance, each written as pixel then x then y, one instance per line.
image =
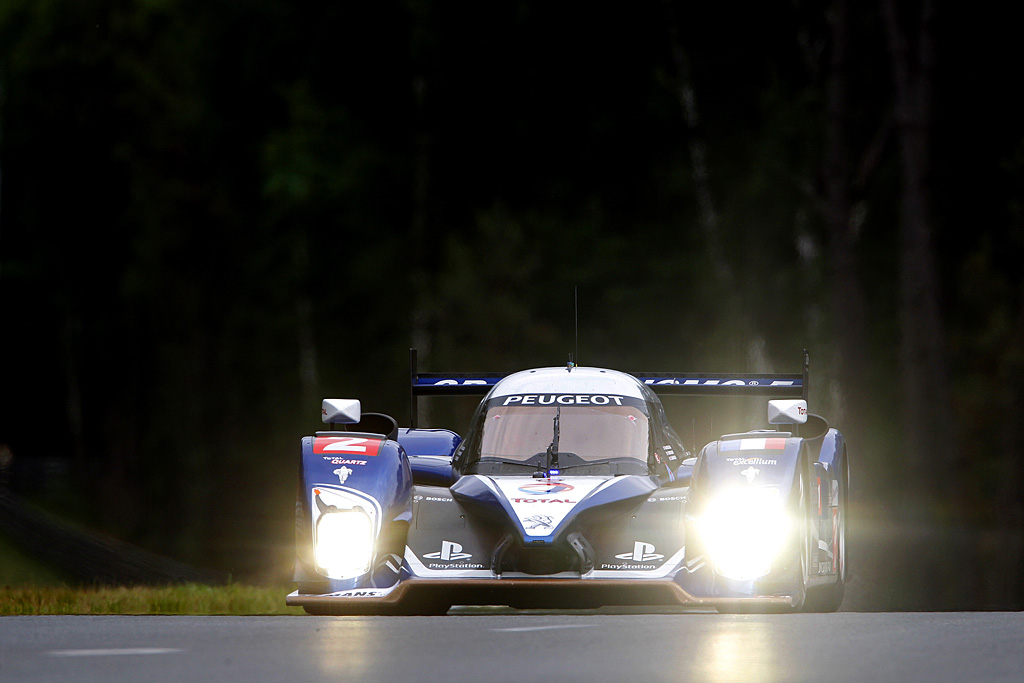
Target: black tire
pixel 805 545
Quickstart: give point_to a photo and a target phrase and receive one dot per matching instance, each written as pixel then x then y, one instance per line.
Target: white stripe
pixel 115 652
pixel 523 629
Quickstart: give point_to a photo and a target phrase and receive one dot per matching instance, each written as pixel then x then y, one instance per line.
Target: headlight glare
pixel 744 529
pixel 344 543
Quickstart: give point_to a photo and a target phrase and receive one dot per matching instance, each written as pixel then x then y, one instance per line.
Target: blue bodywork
pixel 447 536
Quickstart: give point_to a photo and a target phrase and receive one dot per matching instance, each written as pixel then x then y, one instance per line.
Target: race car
pixel 571 490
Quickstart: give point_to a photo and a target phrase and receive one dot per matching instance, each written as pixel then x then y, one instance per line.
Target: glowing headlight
pixel 344 543
pixel 744 529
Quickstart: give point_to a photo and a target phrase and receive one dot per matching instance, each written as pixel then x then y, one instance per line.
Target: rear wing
pixel 794 385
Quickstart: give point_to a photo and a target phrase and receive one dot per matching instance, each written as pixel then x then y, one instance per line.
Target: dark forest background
pixel 214 214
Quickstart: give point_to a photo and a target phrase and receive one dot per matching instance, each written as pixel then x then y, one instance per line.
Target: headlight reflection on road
pixel 346 650
pixel 740 649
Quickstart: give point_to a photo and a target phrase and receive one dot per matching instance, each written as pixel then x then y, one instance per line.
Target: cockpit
pixel 574 434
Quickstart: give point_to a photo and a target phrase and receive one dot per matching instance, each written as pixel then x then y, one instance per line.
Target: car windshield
pixel 587 434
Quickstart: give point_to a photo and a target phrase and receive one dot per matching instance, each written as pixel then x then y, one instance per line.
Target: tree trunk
pixel 698 158
pixel 925 392
pixel 847 292
pixel 924 572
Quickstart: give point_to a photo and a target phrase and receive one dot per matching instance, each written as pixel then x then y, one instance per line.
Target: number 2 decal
pixel 354 445
pixel 349 444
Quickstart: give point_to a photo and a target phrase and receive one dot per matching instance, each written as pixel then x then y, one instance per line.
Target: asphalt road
pixel 556 647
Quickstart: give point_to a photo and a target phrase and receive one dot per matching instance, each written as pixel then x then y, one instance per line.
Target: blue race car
pixel 571 490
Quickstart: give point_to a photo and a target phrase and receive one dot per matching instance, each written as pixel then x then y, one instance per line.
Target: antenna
pixel 574 357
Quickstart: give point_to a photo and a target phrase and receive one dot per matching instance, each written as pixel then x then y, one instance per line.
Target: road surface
pixel 515 647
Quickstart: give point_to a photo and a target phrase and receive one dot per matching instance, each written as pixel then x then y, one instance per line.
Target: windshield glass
pixel 591 429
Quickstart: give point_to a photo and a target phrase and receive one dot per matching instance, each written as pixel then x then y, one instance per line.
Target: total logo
pixel 642 552
pixel 450 552
pixel 543 500
pixel 543 488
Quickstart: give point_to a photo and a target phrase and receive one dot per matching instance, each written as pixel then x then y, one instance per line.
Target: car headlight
pixel 744 529
pixel 344 543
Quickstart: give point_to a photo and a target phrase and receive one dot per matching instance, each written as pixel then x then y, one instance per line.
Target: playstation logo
pixel 642 552
pixel 450 552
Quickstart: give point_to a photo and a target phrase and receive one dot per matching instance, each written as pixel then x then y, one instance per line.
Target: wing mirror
pixel 340 411
pixel 787 412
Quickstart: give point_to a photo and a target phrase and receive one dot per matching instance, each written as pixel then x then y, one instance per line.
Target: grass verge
pixel 233 599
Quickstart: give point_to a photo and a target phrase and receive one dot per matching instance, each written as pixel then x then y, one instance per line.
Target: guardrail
pixel 86 556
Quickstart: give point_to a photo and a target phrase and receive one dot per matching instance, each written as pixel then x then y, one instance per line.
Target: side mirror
pixel 787 412
pixel 340 410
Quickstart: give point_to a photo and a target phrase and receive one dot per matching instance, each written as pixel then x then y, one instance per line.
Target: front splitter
pixel 435 596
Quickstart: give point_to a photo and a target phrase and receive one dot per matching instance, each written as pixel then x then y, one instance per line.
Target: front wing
pixel 415 596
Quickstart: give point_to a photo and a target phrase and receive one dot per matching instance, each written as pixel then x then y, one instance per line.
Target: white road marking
pixel 520 629
pixel 115 652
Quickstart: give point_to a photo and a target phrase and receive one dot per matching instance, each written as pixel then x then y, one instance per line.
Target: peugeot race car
pixel 571 490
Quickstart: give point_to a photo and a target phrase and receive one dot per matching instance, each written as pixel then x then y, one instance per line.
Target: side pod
pixel 360 473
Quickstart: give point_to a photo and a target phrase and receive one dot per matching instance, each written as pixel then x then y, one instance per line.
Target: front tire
pixel 829 598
